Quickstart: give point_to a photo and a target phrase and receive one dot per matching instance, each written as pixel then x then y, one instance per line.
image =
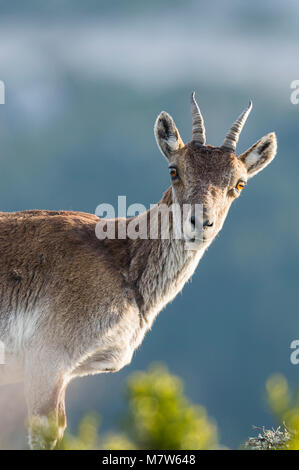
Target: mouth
pixel 200 238
pixel 193 243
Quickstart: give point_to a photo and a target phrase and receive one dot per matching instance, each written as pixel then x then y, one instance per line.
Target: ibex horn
pixel 232 137
pixel 198 126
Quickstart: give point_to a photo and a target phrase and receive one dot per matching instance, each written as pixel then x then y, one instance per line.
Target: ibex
pixel 73 305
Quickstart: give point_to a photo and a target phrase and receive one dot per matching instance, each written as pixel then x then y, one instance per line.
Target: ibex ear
pixel 167 135
pixel 257 157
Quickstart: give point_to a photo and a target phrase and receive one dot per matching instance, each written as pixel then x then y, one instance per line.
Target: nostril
pixel 207 223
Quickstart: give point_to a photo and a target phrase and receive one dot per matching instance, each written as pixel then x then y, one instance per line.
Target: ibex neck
pixel 160 267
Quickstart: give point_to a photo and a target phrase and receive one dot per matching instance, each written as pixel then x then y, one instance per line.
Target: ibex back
pixel 73 305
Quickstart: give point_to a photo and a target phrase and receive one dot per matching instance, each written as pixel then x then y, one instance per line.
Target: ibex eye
pixel 240 185
pixel 173 172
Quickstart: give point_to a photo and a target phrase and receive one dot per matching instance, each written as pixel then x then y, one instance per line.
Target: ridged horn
pixel 198 126
pixel 232 137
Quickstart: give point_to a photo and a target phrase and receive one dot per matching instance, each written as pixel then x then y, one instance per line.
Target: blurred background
pixel 84 84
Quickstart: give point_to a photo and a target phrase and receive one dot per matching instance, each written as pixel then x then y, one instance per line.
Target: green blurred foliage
pixel 285 407
pixel 159 416
pixel 87 437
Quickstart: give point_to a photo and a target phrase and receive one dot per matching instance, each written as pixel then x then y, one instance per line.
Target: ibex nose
pixel 206 222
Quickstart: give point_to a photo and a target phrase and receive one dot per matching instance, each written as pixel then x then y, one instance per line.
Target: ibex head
pixel 211 176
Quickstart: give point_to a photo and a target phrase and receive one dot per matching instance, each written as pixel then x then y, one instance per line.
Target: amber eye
pixel 173 172
pixel 240 185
